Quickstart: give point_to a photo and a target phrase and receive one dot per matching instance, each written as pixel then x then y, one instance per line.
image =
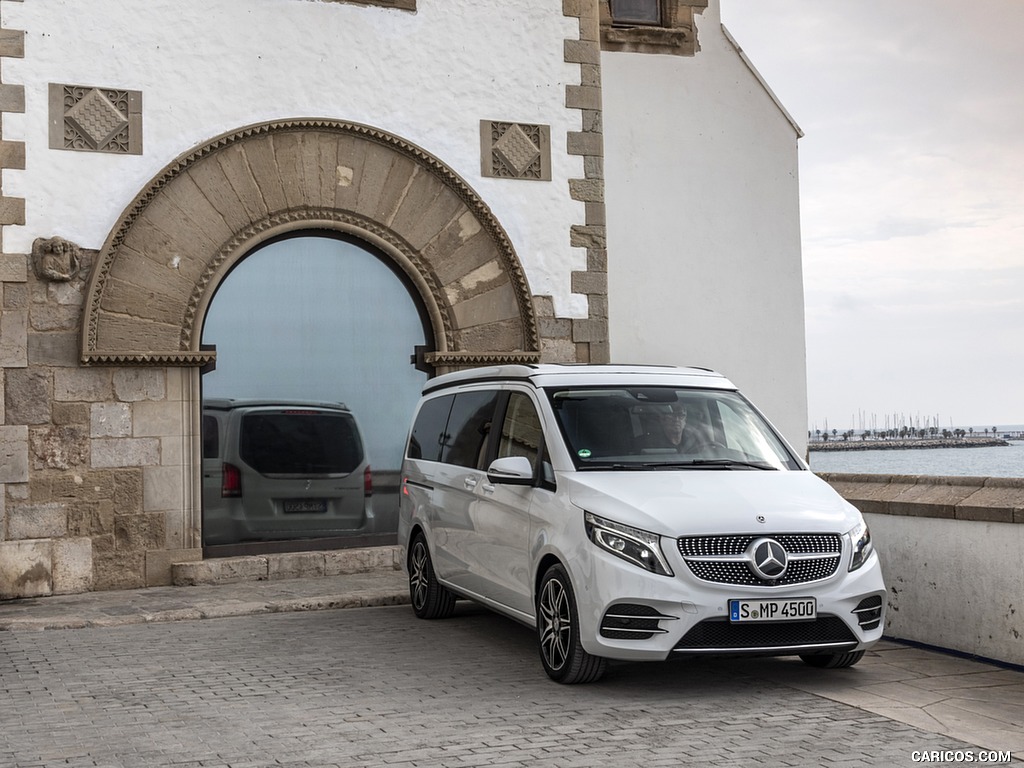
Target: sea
pixel 993 461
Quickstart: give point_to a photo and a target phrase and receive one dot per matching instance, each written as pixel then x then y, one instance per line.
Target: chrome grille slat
pixel 720 559
pixel 631 621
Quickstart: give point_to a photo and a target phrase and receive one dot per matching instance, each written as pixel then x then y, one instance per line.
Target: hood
pixel 697 502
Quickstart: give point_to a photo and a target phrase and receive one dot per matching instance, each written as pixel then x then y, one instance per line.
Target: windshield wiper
pixel 620 466
pixel 723 463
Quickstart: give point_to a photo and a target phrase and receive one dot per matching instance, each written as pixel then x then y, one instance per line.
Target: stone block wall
pixel 93 460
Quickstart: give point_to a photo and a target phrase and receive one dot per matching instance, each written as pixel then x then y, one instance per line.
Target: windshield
pixel 665 428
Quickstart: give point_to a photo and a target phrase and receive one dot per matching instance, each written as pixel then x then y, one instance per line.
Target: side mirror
pixel 511 470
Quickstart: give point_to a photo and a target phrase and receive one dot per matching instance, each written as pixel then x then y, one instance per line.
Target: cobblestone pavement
pixel 376 687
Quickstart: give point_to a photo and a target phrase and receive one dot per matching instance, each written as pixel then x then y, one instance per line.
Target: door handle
pixel 470 483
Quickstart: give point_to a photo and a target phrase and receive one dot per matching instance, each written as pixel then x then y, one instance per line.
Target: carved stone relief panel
pixel 55 259
pixel 515 150
pixel 92 119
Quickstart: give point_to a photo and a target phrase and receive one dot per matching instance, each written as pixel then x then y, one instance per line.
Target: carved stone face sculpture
pixel 55 259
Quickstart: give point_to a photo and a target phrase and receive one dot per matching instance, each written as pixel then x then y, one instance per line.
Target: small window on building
pixel 650 26
pixel 644 12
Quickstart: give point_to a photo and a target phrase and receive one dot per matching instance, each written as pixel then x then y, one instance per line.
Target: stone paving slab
pixel 972 700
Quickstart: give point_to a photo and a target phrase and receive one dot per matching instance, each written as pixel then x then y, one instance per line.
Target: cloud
pixel 912 196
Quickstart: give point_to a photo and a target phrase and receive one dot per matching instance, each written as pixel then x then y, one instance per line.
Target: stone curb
pixel 211 610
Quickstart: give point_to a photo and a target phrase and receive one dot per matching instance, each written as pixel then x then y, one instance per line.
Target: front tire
pixel 558 632
pixel 832 660
pixel 430 600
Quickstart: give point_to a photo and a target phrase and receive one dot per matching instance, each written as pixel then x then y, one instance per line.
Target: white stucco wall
pixel 704 262
pixel 206 67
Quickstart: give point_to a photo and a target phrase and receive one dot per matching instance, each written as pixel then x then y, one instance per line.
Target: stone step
pixel 285 565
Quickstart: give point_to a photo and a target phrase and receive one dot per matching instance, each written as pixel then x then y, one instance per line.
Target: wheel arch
pixel 545 563
pixel 415 530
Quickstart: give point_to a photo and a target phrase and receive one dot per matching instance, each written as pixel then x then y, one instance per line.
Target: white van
pixel 630 512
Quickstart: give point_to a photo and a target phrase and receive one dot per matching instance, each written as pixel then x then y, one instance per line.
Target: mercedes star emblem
pixel 767 559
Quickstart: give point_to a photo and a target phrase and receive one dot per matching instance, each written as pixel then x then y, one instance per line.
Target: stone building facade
pixel 463 140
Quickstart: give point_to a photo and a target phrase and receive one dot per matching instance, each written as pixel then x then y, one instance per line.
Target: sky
pixel 912 201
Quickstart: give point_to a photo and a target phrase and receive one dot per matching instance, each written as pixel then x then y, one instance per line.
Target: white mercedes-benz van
pixel 633 513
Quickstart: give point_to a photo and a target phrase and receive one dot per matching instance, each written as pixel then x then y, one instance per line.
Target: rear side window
pixel 300 443
pixel 427 438
pixel 211 437
pixel 469 427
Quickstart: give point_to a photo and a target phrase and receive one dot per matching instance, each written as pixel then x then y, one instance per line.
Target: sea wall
pixel 952 549
pixel 892 445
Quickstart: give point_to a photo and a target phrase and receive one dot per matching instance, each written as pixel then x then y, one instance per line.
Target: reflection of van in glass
pixel 283 470
pixel 633 513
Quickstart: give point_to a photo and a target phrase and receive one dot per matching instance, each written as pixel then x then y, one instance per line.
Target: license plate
pixel 306 505
pixel 792 609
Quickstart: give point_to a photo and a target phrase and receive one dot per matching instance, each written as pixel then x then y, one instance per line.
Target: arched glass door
pixel 302 325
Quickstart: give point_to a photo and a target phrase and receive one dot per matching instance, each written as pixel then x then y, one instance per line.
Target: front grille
pixel 629 621
pixel 720 559
pixel 869 612
pixel 722 635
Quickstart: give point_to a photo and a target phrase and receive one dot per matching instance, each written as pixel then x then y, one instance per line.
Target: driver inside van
pixel 668 429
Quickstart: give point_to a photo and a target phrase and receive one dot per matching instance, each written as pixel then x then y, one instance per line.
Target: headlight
pixel 860 540
pixel 638 547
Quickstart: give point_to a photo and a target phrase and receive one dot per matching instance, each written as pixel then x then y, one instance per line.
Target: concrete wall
pixel 952 550
pixel 703 206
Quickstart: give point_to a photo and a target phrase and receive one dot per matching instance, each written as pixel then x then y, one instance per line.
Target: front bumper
pixel 628 613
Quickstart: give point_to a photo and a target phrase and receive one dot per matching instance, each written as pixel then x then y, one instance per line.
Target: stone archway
pixel 157 272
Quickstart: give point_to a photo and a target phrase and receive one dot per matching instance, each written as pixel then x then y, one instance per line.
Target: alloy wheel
pixel 419 576
pixel 555 619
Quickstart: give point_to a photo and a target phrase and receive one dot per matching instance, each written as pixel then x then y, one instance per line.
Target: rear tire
pixel 832 660
pixel 430 600
pixel 558 632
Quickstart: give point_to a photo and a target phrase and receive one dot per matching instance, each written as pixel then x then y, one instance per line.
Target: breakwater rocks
pixel 899 445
